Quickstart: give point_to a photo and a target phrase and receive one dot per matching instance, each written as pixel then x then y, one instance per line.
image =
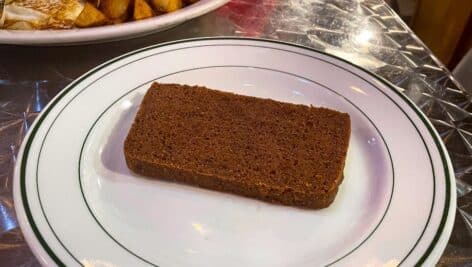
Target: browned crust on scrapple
pixel 259 148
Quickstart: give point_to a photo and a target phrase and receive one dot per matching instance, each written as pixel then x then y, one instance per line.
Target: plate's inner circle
pixel 162 221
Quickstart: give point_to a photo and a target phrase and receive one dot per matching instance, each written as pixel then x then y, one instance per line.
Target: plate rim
pixel 32 238
pixel 108 33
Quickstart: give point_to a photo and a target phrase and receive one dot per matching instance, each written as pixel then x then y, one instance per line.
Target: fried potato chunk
pixel 167 5
pixel 142 10
pixel 115 9
pixel 90 16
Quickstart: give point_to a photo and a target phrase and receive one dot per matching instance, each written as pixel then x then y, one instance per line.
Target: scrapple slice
pixel 259 148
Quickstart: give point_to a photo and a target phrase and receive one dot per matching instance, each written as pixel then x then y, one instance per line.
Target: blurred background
pixel 445 27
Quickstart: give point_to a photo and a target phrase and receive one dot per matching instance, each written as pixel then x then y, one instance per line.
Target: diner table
pixel 367 33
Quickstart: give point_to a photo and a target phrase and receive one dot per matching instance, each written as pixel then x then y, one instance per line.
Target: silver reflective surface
pixel 367 33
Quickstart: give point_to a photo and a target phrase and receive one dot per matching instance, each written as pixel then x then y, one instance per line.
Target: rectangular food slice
pixel 259 148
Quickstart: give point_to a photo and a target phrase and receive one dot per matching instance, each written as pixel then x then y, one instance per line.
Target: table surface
pixel 365 32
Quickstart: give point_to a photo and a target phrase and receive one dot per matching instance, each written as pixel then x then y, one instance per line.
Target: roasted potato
pixel 167 5
pixel 90 16
pixel 142 10
pixel 115 9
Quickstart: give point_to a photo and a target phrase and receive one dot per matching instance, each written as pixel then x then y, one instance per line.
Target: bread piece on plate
pixel 259 148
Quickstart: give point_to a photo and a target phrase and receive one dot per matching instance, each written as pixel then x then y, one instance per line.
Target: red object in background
pixel 250 15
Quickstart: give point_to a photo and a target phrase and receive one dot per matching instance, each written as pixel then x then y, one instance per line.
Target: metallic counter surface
pixel 365 32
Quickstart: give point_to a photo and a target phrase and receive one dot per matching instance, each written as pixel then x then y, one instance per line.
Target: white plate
pixel 77 202
pixel 110 32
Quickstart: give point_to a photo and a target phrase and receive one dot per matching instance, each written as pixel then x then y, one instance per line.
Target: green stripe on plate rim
pixel 56 100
